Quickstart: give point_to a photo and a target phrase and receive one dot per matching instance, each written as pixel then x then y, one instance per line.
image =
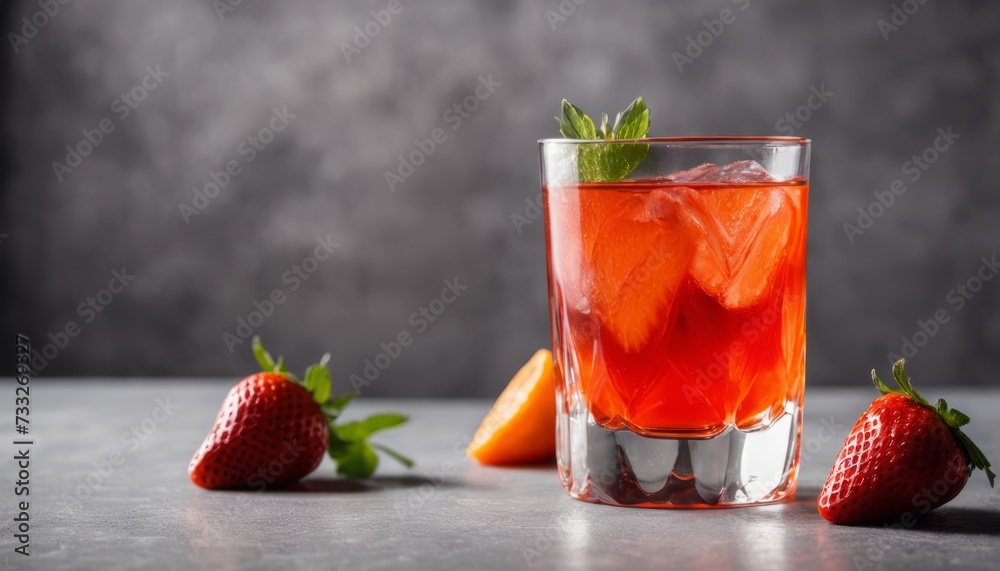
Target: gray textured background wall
pixel 323 174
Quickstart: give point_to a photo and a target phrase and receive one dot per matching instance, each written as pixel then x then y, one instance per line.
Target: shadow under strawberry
pixel 324 485
pixel 961 520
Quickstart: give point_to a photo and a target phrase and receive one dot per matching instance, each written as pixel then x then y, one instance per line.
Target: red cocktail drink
pixel 678 317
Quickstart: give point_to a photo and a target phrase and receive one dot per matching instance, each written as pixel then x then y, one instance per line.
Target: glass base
pixel 733 468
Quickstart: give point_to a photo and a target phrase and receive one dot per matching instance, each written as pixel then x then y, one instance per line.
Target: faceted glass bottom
pixel 733 468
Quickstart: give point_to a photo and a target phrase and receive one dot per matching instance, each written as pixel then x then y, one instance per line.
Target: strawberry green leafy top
pixel 954 418
pixel 349 447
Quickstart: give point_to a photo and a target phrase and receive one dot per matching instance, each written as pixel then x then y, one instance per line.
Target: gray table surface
pixel 446 513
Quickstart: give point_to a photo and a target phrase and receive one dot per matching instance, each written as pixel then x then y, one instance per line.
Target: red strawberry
pixel 270 430
pixel 273 429
pixel 903 458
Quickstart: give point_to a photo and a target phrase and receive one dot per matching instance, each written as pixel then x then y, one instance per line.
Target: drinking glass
pixel 677 308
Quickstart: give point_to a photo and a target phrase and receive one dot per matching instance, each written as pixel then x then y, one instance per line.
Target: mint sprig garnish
pixel 348 446
pixel 575 124
pixel 954 418
pixel 606 162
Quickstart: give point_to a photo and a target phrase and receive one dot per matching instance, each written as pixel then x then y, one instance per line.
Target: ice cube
pixel 738 172
pixel 663 204
pixel 691 175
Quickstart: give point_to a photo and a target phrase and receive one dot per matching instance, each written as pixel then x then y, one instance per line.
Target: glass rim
pixel 691 142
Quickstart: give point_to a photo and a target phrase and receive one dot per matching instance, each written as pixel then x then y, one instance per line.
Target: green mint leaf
pixel 605 131
pixel 634 122
pixel 263 357
pixel 395 455
pixel 574 123
pixel 607 162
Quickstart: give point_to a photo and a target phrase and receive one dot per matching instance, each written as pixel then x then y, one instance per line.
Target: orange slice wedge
pixel 521 426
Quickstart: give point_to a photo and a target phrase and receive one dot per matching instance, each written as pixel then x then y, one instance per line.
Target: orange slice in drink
pixel 638 261
pixel 745 234
pixel 521 426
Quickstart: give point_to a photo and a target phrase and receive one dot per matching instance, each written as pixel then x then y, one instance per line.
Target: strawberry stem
pixel 952 417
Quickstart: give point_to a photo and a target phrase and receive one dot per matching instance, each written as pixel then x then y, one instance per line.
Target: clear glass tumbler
pixel 677 306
